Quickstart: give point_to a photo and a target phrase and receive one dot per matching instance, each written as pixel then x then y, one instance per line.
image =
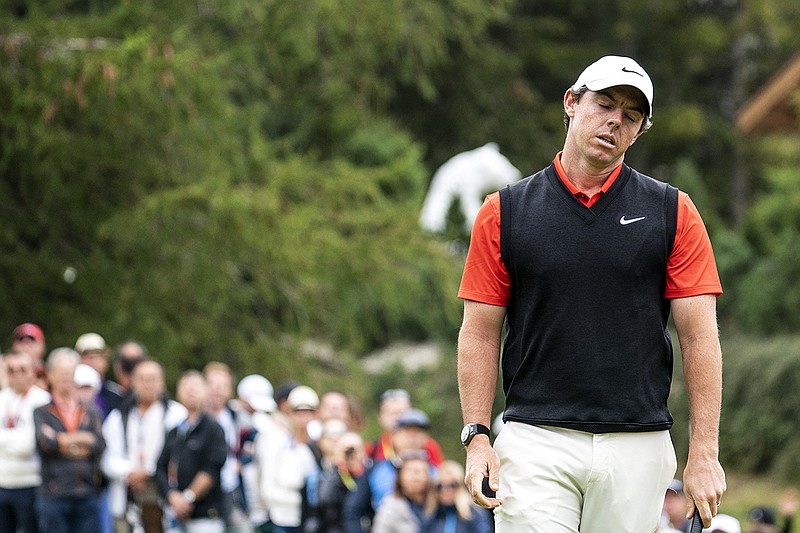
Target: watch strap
pixel 472 430
pixel 480 429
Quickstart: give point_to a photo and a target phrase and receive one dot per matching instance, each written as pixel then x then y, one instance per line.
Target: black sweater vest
pixel 587 345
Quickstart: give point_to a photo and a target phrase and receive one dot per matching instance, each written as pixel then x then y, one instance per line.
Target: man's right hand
pixel 482 462
pixel 181 507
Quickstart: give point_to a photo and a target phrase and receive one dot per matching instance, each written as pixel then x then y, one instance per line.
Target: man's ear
pixel 569 103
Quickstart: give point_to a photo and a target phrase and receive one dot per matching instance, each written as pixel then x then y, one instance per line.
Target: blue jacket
pixel 446 520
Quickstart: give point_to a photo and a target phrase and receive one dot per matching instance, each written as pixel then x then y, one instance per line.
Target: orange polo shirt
pixel 691 267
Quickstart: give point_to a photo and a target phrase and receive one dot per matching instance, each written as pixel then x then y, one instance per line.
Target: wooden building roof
pixel 773 109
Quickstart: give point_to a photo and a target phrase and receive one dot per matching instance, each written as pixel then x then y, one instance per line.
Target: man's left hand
pixel 703 484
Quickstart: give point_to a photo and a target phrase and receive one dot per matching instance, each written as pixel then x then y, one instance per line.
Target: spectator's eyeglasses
pixel 17 370
pixel 451 485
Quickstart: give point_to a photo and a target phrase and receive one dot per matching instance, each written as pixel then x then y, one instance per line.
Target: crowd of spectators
pixel 80 452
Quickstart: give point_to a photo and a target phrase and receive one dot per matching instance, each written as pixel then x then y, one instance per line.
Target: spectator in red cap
pixel 29 338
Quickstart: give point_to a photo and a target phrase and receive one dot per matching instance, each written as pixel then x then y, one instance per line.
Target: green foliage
pixel 760 404
pixel 315 250
pixel 760 401
pixel 767 258
pixel 179 210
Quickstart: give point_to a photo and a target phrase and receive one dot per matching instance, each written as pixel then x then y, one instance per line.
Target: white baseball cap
pixel 303 397
pixel 86 376
pixel 610 71
pixel 90 342
pixel 725 524
pixel 257 391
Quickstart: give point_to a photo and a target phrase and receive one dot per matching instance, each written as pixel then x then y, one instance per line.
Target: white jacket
pixel 145 439
pixel 19 463
pixel 283 465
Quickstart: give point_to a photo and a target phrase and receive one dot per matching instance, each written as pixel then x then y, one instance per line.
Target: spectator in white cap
pixel 723 523
pixel 94 352
pixel 255 393
pixel 303 403
pixel 88 382
pixel 285 461
pixel 256 396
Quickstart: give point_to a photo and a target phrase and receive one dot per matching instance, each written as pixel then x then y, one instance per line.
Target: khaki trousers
pixel 555 480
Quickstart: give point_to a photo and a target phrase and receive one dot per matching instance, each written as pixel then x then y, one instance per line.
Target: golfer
pixel 583 262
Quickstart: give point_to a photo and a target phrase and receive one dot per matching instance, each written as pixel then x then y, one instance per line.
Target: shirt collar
pixel 583 197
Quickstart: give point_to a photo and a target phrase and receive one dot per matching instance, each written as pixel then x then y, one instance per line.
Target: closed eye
pixel 634 117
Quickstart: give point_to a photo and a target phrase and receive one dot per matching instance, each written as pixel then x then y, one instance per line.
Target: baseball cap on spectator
pixel 90 342
pixel 610 71
pixel 257 391
pixel 28 330
pixel 724 523
pixel 762 515
pixel 392 394
pixel 675 486
pixel 86 376
pixel 413 418
pixel 303 398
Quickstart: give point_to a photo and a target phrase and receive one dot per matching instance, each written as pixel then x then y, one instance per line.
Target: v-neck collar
pixel 588 214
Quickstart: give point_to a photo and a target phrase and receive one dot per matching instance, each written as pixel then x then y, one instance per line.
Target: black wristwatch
pixel 470 430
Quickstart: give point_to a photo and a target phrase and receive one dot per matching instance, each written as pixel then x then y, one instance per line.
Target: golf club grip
pixel 697 522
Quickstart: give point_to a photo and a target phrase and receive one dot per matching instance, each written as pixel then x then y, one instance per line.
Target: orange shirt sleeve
pixel 691 267
pixel 485 277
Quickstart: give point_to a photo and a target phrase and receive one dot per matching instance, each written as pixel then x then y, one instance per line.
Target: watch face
pixel 465 434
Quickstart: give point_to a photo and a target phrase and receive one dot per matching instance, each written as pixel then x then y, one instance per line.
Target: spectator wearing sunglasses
pixel 454 511
pixel 19 465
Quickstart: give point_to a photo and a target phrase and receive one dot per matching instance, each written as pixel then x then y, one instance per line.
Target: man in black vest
pixel 583 262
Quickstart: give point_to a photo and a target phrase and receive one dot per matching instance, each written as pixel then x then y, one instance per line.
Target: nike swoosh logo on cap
pixel 625 221
pixel 632 72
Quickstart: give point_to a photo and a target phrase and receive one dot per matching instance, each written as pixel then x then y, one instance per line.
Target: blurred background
pixel 242 181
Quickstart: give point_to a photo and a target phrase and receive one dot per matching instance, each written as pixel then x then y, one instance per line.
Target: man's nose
pixel 615 119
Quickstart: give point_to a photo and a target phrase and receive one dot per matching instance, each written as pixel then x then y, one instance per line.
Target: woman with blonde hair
pixel 452 509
